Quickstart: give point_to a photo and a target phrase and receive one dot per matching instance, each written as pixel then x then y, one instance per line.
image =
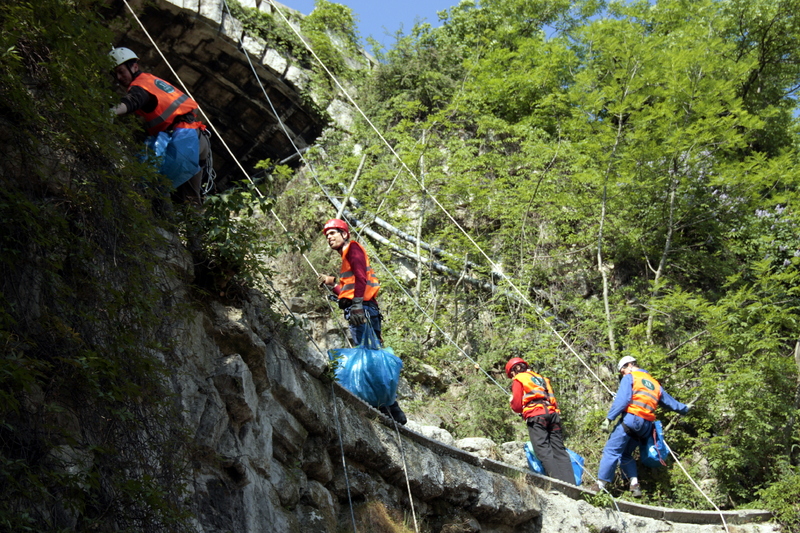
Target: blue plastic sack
pixel 368 371
pixel 534 463
pixel 177 154
pixel 537 467
pixel 655 452
pixel 577 466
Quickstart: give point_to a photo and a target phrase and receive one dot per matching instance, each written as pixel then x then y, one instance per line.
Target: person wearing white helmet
pixel 637 398
pixel 165 108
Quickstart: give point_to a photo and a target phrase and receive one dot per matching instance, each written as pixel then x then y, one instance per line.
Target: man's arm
pixel 622 398
pixel 516 396
pixel 671 403
pixel 358 262
pixel 137 98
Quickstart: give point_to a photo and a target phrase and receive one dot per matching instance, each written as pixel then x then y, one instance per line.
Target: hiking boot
pixel 636 492
pixel 594 487
pixel 398 414
pixel 394 412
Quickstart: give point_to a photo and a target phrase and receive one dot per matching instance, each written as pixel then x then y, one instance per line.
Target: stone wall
pixel 278 447
pixel 202 44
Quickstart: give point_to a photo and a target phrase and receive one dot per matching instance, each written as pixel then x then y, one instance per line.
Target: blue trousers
pixel 620 447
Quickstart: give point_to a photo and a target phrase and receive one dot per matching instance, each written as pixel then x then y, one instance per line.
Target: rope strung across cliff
pixel 436 201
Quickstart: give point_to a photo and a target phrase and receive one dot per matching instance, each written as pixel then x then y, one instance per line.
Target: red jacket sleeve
pixel 516 396
pixel 358 262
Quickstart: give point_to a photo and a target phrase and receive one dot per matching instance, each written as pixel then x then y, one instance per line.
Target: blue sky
pixel 377 17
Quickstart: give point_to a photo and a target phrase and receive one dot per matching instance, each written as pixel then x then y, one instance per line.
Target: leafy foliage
pixel 230 239
pixel 89 438
pixel 633 174
pixel 272 30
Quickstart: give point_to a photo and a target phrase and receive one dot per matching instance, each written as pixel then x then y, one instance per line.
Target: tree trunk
pixel 663 261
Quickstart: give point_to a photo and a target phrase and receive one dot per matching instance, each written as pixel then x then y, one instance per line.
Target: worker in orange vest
pixel 533 398
pixel 356 291
pixel 165 108
pixel 638 396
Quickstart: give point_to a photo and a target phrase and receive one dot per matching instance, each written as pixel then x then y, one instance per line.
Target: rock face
pixel 279 447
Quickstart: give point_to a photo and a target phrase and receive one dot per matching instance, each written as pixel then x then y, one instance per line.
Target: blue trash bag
pixel 537 467
pixel 655 452
pixel 177 154
pixel 577 466
pixel 368 371
pixel 534 463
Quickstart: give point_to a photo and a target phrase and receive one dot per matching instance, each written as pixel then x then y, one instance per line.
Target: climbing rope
pixel 344 461
pixel 724 523
pixel 335 412
pixel 405 470
pixel 617 512
pixel 495 267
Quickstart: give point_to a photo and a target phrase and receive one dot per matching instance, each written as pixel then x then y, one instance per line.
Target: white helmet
pixel 121 55
pixel 624 361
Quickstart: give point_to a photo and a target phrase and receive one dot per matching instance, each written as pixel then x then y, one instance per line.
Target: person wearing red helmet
pixel 533 398
pixel 356 290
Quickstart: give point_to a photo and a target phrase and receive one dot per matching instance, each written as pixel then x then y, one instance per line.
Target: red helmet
pixel 512 363
pixel 336 223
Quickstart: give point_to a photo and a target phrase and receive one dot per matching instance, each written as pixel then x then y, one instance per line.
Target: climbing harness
pixel 209 174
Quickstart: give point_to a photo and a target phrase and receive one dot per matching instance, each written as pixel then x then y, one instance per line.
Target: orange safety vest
pixel 171 103
pixel 646 393
pixel 537 397
pixel 347 279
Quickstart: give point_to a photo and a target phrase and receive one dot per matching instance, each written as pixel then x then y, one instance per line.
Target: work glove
pixel 606 426
pixel 324 279
pixel 357 316
pixel 689 407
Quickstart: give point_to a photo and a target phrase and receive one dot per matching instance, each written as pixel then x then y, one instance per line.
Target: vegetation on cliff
pixel 89 436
